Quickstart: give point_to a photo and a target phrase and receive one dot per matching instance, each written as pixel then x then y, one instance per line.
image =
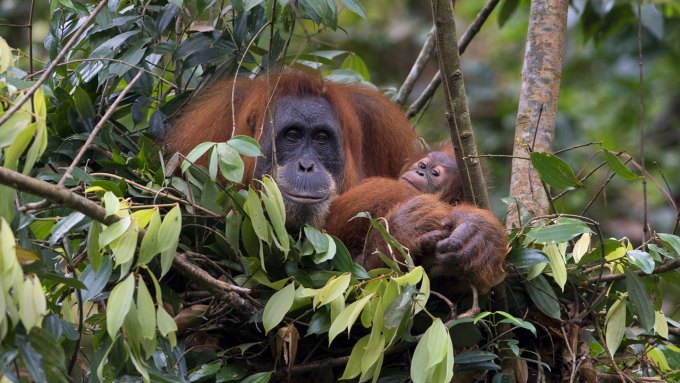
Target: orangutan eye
pixel 293 134
pixel 435 173
pixel 422 165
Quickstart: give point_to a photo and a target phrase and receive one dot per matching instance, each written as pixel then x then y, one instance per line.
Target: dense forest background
pixel 590 297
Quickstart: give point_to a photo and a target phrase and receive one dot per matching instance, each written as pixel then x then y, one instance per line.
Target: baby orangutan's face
pixel 430 174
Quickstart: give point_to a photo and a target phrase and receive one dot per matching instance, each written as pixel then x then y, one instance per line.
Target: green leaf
pixel 619 167
pixel 125 247
pixel 543 296
pixel 273 202
pixel 642 260
pixel 670 242
pixel 615 322
pixel 554 171
pixel 260 377
pixel 318 239
pixel 523 258
pixel 277 306
pixel 114 231
pixel 93 252
pixel 321 11
pixel 231 164
pixel 150 246
pixel 347 317
pixel 433 355
pixel 5 55
pixel 65 225
pixel 562 231
pixel 334 288
pixel 95 279
pixel 254 210
pixel 411 278
pixel 507 9
pixel 581 247
pixel 557 264
pixel 168 232
pixel 246 145
pixel 475 357
pixel 356 7
pixel 641 298
pixel 146 311
pixel 195 154
pixel 166 325
pixel 204 371
pixel 660 324
pixel 353 367
pixel 119 304
pixel 517 322
pixel 354 63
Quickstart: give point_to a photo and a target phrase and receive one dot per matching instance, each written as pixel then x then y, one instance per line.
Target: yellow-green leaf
pixel 125 247
pixel 5 55
pixel 347 317
pixel 119 305
pixel 333 289
pixel 557 264
pixel 411 278
pixel 114 231
pixel 277 306
pixel 149 246
pixel 614 325
pixel 660 324
pixel 353 368
pixel 581 247
pixel 145 311
pixel 254 210
pixel 168 232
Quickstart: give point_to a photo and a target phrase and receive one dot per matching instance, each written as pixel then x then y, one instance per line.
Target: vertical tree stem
pixel 537 111
pixel 457 114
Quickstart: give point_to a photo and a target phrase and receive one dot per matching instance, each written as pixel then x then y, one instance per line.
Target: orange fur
pixel 377 137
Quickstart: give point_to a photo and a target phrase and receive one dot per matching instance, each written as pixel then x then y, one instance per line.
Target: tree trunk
pixel 537 111
pixel 457 113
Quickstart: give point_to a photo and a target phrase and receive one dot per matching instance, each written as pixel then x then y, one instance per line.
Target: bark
pixel 457 114
pixel 537 111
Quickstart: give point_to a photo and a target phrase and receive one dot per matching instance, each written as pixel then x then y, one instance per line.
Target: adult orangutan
pixel 327 138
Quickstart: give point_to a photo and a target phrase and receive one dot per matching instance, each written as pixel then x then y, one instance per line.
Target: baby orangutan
pixel 433 186
pixel 436 173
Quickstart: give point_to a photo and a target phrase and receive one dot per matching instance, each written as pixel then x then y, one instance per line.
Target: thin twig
pixel 158 193
pixel 668 266
pixel 645 228
pixel 97 127
pixel 465 40
pixel 67 48
pixel 117 61
pixel 417 69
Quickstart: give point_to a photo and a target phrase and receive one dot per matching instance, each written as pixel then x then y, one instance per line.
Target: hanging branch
pixel 465 40
pixel 457 114
pixel 537 111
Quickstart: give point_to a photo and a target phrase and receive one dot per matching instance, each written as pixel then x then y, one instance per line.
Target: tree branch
pixel 66 49
pixel 458 115
pixel 469 34
pixel 417 69
pixel 93 134
pixel 537 109
pixel 60 195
